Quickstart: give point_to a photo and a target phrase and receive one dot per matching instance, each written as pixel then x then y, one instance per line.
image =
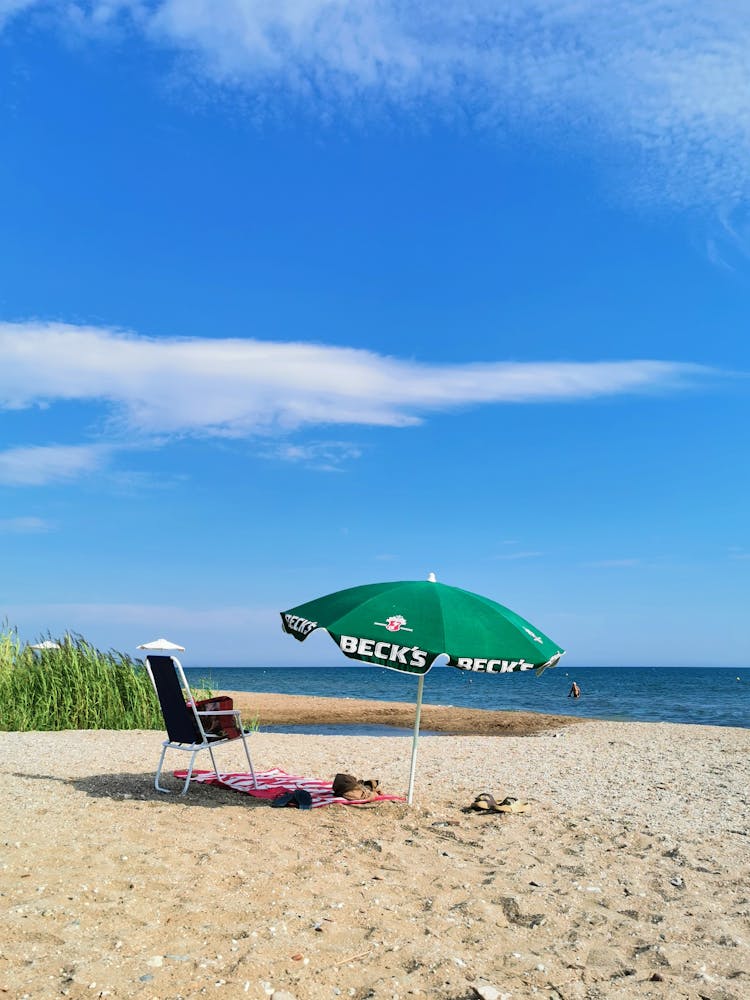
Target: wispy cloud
pixel 9 8
pixel 669 80
pixel 735 552
pixel 238 387
pixel 715 255
pixel 325 456
pixel 24 525
pixel 37 465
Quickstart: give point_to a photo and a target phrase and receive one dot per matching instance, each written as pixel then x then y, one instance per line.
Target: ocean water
pixel 710 697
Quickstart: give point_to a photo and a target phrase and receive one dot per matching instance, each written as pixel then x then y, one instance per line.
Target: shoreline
pixel 299 710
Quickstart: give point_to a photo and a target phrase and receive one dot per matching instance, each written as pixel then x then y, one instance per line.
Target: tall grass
pixel 73 687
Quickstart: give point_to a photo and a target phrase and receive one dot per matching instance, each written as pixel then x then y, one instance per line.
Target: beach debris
pixel 486 991
pixel 514 914
pixel 352 958
pixel 281 995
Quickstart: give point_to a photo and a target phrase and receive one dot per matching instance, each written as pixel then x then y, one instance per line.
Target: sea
pixel 701 696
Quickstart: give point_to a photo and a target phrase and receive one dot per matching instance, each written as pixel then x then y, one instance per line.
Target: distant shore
pixel 300 710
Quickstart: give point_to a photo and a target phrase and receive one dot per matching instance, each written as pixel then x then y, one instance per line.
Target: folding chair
pixel 184 721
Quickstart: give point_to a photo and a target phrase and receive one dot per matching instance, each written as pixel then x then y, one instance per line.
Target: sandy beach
pixel 628 877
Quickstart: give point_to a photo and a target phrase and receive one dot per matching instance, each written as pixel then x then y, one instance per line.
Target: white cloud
pixel 37 465
pixel 668 79
pixel 24 525
pixel 239 387
pixel 326 456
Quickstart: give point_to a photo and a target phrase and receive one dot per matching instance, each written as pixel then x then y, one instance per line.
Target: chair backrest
pixel 179 719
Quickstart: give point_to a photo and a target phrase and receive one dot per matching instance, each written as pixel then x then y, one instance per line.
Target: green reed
pixel 74 687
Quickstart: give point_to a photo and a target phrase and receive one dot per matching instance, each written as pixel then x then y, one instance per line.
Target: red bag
pixel 219 726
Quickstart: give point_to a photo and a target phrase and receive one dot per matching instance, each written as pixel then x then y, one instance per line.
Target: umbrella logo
pixel 396 623
pixel 536 638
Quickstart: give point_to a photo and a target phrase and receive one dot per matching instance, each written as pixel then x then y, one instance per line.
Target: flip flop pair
pixel 486 803
pixel 300 798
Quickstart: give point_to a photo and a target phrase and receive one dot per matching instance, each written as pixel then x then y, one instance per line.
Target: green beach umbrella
pixel 407 625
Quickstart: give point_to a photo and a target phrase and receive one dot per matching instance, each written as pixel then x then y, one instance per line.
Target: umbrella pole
pixel 410 793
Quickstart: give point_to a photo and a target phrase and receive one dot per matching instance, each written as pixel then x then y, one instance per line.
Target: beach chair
pixel 185 722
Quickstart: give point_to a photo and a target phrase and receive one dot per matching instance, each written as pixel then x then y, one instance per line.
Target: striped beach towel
pixel 274 782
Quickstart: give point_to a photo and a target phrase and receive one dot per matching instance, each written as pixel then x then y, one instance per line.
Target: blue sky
pixel 302 295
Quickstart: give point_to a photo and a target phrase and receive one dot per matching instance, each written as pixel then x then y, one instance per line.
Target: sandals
pixel 486 803
pixel 511 805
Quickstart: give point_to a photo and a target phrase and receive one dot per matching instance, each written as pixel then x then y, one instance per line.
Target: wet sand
pixel 628 877
pixel 276 709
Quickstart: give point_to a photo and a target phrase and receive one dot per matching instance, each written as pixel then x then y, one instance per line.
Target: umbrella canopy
pixel 163 644
pixel 47 644
pixel 406 625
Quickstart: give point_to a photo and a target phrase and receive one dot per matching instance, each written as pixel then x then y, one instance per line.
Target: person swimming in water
pixel 575 691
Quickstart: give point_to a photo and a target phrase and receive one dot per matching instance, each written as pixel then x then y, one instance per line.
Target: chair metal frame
pixel 178 726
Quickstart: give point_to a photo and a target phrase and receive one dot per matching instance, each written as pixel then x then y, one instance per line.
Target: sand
pixel 274 709
pixel 628 877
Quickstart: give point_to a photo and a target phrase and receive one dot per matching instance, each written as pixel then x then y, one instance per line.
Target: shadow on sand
pixel 139 787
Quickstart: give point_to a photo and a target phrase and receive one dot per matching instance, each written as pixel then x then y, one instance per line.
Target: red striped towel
pixel 275 782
